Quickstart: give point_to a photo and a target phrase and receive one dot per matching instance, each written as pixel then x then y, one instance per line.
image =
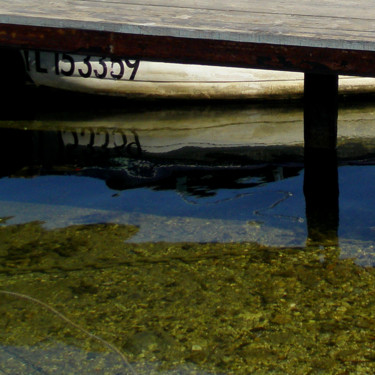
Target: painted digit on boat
pixel 72 65
pixel 122 69
pixel 137 150
pixel 104 72
pixel 27 62
pixel 106 142
pixel 124 141
pixel 75 137
pixel 133 66
pixel 86 61
pixel 38 67
pixel 92 138
pixel 57 71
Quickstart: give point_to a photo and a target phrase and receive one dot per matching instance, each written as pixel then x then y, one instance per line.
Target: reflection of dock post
pixel 321 176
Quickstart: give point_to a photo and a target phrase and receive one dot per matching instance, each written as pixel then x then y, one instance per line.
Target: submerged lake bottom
pixel 179 239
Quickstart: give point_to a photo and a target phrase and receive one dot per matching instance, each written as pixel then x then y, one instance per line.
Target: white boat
pixel 140 78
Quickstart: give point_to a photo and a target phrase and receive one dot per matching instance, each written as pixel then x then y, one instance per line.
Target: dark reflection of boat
pixel 238 131
pixel 200 186
pixel 110 156
pixel 198 149
pixel 196 152
pixel 129 148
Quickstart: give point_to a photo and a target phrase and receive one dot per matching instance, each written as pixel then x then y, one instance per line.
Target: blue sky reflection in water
pixel 271 213
pixel 278 204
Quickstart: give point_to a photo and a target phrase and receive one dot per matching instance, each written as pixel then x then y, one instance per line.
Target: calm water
pixel 169 238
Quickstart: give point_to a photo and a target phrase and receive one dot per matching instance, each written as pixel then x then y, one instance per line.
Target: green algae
pixel 226 308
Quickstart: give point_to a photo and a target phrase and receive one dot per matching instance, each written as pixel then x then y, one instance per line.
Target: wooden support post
pixel 320 111
pixel 321 176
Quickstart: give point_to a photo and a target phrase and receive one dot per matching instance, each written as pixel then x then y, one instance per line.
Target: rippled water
pixel 178 235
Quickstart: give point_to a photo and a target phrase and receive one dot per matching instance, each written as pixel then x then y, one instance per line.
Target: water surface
pixel 178 236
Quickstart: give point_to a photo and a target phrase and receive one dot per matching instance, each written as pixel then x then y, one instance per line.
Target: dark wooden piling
pixel 320 111
pixel 321 187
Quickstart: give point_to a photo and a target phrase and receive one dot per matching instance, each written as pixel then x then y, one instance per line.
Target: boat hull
pixel 140 79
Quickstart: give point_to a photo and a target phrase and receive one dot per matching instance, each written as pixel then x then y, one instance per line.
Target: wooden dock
pixel 321 36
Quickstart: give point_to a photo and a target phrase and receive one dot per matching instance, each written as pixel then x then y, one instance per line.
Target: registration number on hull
pixel 70 65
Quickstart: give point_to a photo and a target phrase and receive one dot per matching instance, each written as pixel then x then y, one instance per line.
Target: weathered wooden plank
pixel 242 23
pixel 362 9
pixel 290 58
pixel 324 36
pixel 327 8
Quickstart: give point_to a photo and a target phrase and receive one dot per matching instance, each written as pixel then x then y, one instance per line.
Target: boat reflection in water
pixel 186 186
pixel 238 168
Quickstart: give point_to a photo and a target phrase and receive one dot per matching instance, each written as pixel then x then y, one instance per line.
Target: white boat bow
pixel 140 78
